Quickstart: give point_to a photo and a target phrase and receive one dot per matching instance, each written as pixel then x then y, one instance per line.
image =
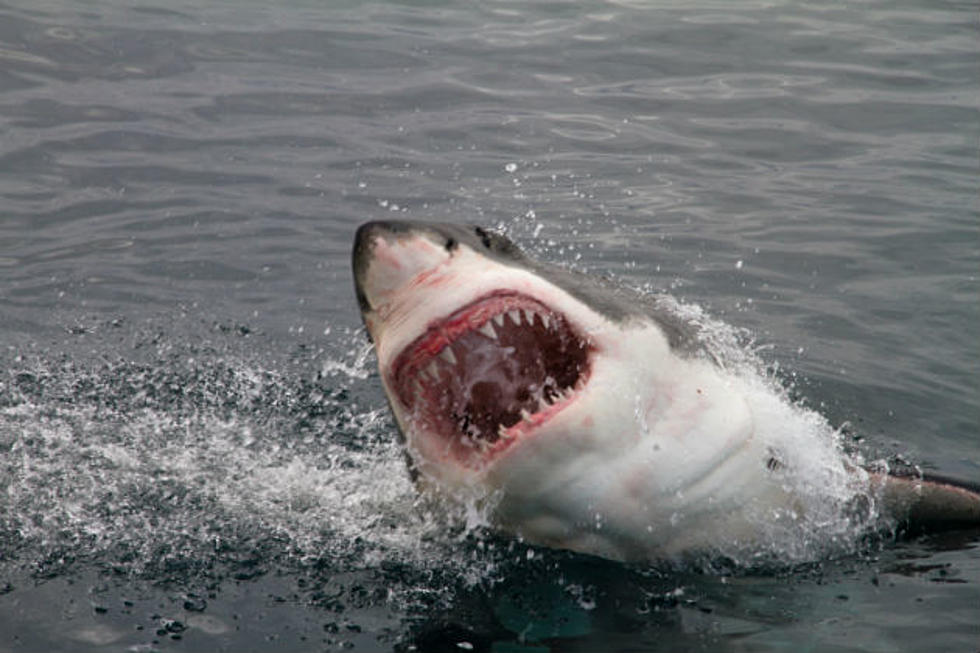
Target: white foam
pixel 812 463
pixel 172 461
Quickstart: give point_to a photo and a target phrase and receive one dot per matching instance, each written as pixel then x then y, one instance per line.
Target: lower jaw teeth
pixel 504 432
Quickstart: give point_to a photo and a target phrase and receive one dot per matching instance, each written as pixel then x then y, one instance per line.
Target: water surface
pixel 196 449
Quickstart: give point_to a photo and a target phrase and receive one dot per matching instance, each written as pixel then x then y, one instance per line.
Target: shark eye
pixel 484 237
pixel 451 244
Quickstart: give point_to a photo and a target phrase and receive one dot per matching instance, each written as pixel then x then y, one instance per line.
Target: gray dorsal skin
pixel 615 302
pixel 918 501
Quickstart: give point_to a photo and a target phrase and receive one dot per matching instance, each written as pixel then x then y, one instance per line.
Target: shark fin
pixel 929 502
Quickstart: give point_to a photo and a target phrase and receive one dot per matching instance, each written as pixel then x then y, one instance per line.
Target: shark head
pixel 478 352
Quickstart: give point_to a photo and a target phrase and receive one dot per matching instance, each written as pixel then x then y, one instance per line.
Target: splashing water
pixel 181 460
pixel 836 509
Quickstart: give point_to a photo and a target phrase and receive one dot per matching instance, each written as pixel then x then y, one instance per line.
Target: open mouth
pixel 477 376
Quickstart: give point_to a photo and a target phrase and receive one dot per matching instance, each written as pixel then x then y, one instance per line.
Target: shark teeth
pixel 447 355
pixel 487 330
pixel 431 371
pixel 544 402
pixel 436 377
pixel 525 315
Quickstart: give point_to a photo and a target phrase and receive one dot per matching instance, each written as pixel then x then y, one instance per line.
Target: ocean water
pixel 195 451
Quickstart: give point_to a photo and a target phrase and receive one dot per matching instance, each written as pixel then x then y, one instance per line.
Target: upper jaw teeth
pixel 488 331
pixel 520 315
pixel 447 355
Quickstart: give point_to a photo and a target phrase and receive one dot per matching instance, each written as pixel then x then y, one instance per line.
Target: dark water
pixel 195 449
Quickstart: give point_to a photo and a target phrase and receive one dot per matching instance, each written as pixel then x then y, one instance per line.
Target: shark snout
pixel 368 234
pixel 389 256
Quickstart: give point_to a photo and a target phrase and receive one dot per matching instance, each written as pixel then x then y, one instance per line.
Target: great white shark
pixel 584 416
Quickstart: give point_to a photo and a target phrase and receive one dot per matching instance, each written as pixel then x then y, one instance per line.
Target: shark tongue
pixel 487 367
